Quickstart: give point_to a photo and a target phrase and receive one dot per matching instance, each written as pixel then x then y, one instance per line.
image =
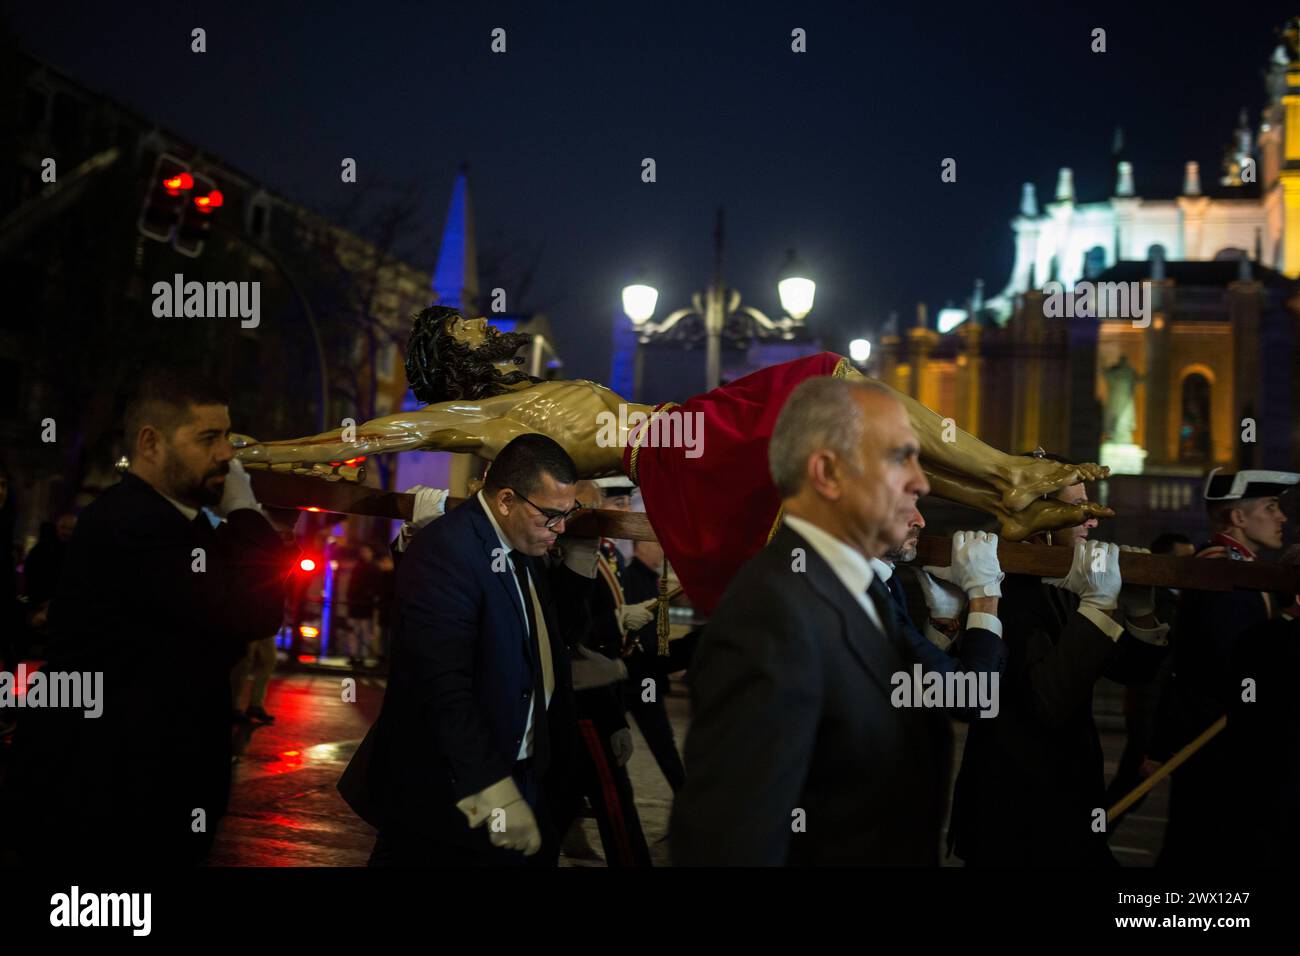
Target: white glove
pixel 580 554
pixel 633 617
pixel 975 567
pixel 521 831
pixel 596 670
pixel 1134 599
pixel 503 803
pixel 238 491
pixel 1094 574
pixel 944 599
pixel 621 743
pixel 430 503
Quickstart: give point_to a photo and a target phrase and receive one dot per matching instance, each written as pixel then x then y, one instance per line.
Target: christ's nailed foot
pixel 1028 479
pixel 1049 514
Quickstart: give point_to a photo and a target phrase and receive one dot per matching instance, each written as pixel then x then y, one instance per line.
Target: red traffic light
pixel 164 203
pixel 307 564
pixel 181 182
pixel 211 201
pixel 204 201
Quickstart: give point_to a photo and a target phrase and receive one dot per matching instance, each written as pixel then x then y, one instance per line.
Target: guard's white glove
pixel 944 599
pixel 430 503
pixel 1134 599
pixel 975 567
pixel 633 617
pixel 620 741
pixel 238 491
pixel 1094 574
pixel 595 670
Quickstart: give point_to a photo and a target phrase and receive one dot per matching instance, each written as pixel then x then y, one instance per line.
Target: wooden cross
pixel 282 489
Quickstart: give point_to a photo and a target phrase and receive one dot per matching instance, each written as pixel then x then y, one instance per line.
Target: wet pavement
pixel 285 810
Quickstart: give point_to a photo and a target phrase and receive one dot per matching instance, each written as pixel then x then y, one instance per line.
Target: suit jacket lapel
pixel 864 639
pixel 491 545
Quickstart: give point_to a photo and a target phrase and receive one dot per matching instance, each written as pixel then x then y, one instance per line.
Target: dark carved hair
pixel 440 369
pixel 165 398
pixel 522 462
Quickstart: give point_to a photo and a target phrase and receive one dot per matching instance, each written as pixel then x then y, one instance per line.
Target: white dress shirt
pixel 850 566
pixel 189 513
pixel 543 638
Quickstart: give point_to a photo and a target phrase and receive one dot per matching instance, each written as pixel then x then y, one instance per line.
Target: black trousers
pixel 652 720
pixel 609 789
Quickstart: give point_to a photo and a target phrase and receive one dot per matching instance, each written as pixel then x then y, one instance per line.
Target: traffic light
pixel 164 203
pixel 196 221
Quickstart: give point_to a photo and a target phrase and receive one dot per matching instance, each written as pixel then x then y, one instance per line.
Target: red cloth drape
pixel 714 512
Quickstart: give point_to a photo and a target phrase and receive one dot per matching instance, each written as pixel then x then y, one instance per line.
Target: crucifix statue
pixel 478 400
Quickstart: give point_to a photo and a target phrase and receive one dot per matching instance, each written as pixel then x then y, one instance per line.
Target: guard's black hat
pixel 1248 484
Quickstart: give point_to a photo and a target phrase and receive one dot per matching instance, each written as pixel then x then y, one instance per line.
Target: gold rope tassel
pixel 661 623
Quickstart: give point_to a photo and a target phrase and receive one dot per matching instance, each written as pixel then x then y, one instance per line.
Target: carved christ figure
pixel 478 400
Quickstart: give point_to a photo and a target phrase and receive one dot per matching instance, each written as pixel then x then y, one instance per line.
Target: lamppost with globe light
pixel 718 313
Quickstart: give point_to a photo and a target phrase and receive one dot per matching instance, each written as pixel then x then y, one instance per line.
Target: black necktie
pixel 890 616
pixel 541 740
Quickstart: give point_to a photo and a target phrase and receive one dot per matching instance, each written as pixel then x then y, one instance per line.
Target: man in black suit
pixel 1031 789
pixel 162 604
pixel 796 754
pixel 974 654
pixel 469 762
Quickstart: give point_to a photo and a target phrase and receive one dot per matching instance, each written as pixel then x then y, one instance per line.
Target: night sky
pixel 835 152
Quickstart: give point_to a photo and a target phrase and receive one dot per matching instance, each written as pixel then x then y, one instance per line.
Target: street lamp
pixel 721 312
pixel 639 303
pixel 859 351
pixel 796 291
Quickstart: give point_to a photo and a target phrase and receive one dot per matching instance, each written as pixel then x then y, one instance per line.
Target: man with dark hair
pixel 975 650
pixel 1246 518
pixel 162 604
pixel 470 758
pixel 1031 785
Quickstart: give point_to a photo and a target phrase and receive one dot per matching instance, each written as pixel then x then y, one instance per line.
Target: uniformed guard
pixel 605 743
pixel 1245 518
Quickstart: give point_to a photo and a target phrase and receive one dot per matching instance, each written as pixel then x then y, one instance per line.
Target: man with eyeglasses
pixel 469 761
